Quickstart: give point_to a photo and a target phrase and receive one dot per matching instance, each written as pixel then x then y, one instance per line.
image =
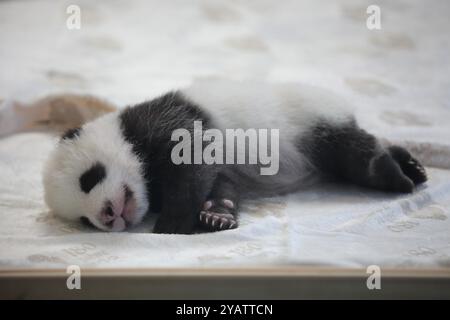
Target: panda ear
pixel 85 221
pixel 71 134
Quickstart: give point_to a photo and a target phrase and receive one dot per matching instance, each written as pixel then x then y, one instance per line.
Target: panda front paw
pixel 218 215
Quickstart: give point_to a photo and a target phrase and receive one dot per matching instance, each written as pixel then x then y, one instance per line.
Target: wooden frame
pixel 226 283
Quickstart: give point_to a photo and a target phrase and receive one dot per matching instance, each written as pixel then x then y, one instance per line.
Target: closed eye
pixel 92 177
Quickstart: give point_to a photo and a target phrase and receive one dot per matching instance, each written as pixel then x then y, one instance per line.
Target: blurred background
pixel 129 51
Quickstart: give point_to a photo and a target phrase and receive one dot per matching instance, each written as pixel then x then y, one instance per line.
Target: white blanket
pixel 397 78
pixel 327 225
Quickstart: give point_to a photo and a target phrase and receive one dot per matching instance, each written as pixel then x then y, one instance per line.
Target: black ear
pixel 85 221
pixel 92 177
pixel 71 133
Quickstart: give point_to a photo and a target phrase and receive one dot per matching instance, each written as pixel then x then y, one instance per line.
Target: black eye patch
pixel 92 177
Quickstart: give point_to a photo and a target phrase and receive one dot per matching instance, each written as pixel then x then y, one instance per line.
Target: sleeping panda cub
pixel 113 170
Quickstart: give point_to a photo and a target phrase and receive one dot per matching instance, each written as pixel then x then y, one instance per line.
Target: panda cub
pixel 112 171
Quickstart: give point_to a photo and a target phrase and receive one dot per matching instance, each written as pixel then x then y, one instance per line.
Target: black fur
pixel 179 192
pixel 351 154
pixel 410 166
pixel 86 222
pixel 221 213
pixel 71 133
pixel 89 179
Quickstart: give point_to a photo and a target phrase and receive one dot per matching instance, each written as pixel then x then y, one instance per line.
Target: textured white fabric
pixel 326 225
pixel 397 77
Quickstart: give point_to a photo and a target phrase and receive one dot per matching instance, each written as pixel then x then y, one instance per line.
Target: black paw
pixel 396 170
pixel 218 215
pixel 410 166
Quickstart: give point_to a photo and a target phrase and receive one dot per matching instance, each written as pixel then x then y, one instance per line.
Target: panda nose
pixel 111 211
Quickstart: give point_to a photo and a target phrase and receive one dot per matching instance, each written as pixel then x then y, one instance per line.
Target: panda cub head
pixel 93 174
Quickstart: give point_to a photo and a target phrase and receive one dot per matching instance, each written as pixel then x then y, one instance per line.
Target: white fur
pixel 100 140
pixel 290 108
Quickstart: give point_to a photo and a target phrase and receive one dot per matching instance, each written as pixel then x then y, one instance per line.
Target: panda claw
pixel 218 215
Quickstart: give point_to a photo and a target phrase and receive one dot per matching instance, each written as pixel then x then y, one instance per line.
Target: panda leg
pixel 220 208
pixel 350 153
